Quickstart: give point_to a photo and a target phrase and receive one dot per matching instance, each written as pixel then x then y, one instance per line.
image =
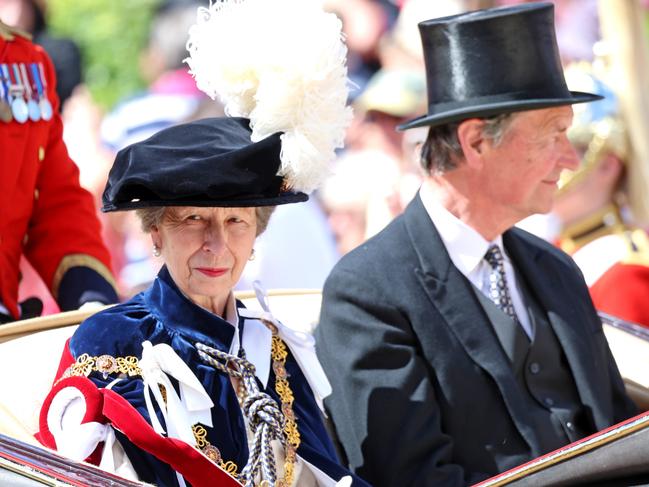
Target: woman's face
pixel 205 250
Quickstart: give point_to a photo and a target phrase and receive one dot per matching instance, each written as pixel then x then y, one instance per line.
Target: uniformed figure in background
pixel 604 207
pixel 31 16
pixel 44 213
pixel 597 209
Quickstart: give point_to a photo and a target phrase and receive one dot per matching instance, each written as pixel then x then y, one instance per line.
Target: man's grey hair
pixel 152 217
pixel 441 150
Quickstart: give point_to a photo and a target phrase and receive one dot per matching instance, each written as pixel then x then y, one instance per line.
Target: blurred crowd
pixel 373 178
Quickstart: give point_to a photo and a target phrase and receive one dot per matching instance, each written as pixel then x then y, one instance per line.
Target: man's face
pixel 521 173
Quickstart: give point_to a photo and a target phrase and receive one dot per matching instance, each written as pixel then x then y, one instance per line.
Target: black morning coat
pixel 423 392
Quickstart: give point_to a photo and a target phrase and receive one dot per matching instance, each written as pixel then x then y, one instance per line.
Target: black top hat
pixel 488 62
pixel 209 162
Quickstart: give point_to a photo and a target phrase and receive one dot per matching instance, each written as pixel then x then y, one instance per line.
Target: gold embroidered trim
pixel 212 452
pixel 279 353
pixel 104 364
pixel 80 260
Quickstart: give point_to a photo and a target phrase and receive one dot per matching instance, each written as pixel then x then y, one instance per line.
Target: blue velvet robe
pixel 162 314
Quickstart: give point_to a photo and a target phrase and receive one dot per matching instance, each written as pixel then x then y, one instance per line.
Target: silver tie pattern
pixel 498 289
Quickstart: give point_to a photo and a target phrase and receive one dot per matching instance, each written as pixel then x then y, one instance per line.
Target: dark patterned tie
pixel 498 290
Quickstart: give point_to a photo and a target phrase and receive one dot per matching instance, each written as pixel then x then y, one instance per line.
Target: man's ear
pixel 472 140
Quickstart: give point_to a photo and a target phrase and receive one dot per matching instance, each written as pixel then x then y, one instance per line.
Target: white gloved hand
pixel 91 306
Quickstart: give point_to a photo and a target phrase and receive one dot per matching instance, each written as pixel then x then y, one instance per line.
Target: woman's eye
pixel 194 217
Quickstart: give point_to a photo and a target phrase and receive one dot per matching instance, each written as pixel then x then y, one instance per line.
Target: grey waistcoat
pixel 542 371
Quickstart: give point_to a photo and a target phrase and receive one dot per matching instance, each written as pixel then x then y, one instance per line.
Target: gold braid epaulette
pixel 104 364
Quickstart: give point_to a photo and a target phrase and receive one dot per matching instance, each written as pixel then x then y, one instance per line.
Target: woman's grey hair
pixel 152 217
pixel 441 150
pixel 263 214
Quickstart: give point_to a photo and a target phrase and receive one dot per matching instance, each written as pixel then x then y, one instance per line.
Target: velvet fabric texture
pixel 162 314
pixel 488 62
pixel 209 162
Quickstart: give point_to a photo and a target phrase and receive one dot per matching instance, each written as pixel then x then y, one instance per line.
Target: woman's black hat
pixel 209 162
pixel 494 61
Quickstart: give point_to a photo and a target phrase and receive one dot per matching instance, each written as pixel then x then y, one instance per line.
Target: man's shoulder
pixel 551 260
pixel 540 245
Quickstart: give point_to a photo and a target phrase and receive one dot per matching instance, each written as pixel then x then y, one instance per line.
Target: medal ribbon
pixel 42 77
pixel 37 79
pixel 26 82
pixel 4 83
pixel 18 84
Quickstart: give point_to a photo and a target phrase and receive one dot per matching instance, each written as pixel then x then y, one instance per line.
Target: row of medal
pixel 23 93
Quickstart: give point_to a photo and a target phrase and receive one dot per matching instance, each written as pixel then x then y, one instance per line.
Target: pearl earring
pixel 156 251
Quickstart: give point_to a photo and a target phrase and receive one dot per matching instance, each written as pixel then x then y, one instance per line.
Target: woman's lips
pixel 212 271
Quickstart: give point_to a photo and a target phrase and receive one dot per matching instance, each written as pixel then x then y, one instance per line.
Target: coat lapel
pixel 453 297
pixel 537 266
pixel 511 335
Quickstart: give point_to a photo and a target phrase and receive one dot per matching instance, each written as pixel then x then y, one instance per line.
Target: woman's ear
pixel 155 235
pixel 472 140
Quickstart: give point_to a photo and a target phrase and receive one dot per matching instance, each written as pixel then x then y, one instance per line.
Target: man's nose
pixel 569 159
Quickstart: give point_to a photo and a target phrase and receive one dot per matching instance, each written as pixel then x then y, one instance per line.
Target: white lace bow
pixel 302 345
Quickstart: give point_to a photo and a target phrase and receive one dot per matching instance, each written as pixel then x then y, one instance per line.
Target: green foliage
pixel 110 34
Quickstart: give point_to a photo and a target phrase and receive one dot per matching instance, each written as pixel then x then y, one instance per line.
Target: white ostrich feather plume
pixel 280 63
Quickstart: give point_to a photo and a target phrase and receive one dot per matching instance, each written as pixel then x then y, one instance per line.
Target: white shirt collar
pixel 256 341
pixel 465 246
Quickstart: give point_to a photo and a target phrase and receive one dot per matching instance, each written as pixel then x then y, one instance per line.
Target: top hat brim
pixel 443 113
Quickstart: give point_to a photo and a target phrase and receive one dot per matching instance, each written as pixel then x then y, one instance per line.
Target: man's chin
pixel 546 203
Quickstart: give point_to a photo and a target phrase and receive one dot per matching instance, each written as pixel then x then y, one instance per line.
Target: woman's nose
pixel 213 241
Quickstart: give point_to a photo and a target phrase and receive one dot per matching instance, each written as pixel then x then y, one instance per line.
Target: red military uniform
pixel 44 213
pixel 616 269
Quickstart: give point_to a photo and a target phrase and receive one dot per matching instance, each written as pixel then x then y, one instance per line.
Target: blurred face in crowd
pixel 348 226
pixel 520 174
pixel 205 250
pixel 591 189
pixel 17 13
